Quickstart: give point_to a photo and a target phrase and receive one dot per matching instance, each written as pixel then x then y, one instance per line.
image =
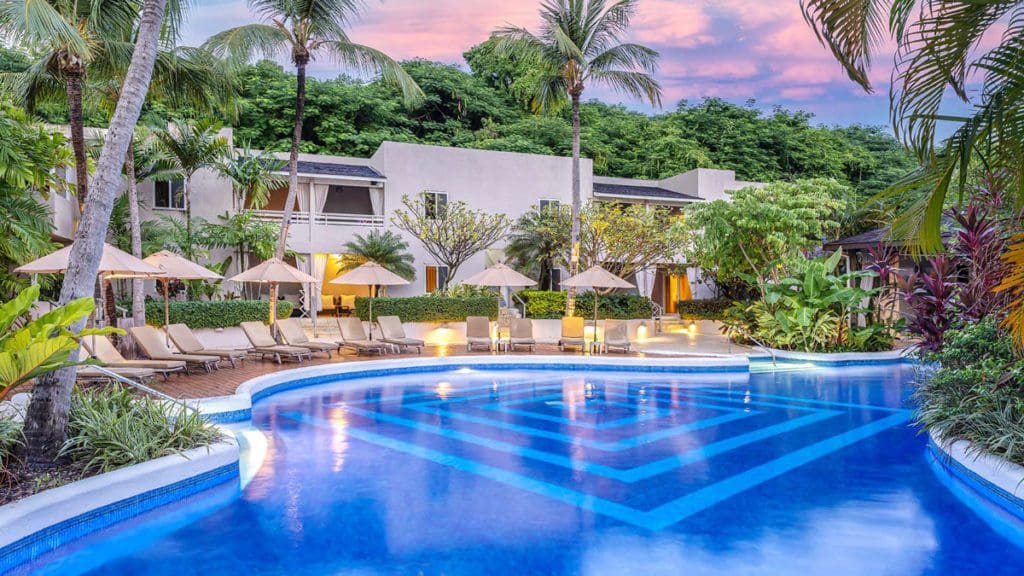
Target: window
pixel 169 194
pixel 549 205
pixel 433 204
pixel 555 280
pixel 437 278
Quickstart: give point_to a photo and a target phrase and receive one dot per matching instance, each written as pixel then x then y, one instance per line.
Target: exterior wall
pixel 505 182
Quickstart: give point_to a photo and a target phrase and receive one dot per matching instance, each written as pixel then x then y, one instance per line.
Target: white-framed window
pixel 169 194
pixel 434 204
pixel 548 205
pixel 437 278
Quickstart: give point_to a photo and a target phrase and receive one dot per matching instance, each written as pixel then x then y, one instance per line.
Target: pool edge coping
pixel 38 524
pixel 993 477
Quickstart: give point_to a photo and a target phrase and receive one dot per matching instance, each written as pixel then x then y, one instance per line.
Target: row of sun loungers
pixel 191 354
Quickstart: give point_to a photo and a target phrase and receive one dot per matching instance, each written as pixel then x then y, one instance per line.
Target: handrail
pixel 522 302
pixel 775 363
pixel 326 218
pixel 144 388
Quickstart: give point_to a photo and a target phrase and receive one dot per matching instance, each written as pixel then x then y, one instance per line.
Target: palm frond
pixel 40 23
pixel 243 43
pixel 367 59
pixel 636 84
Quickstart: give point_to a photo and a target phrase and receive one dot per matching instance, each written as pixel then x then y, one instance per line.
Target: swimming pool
pixel 517 471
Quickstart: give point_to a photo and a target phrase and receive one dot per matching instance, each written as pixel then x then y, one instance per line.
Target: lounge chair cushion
pixel 154 345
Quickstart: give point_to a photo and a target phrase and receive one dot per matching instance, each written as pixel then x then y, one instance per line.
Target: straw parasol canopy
pixel 370 274
pixel 180 268
pixel 274 271
pixel 596 277
pixel 500 276
pixel 113 262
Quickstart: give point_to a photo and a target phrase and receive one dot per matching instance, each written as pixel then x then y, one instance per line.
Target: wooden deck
pixel 223 382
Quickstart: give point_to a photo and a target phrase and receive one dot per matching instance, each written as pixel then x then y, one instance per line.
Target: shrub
pixel 215 313
pixel 545 304
pixel 429 308
pixel 977 393
pixel 703 309
pixel 111 427
pixel 10 440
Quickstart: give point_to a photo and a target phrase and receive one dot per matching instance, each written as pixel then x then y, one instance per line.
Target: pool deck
pixel 223 382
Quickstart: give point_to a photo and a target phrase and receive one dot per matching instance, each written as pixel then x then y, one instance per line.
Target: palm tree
pixel 303 29
pixel 47 415
pixel 580 44
pixel 253 176
pixel 191 146
pixel 68 37
pixel 937 56
pixel 538 243
pixel 383 247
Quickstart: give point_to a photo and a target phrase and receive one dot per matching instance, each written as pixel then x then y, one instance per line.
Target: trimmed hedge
pixel 703 309
pixel 214 313
pixel 429 308
pixel 545 304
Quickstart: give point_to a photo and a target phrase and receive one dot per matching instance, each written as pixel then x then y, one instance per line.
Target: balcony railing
pixel 329 219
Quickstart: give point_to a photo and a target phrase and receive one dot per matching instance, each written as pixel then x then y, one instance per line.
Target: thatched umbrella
pixel 370 274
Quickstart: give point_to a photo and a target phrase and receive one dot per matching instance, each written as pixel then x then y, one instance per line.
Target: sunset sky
pixel 733 49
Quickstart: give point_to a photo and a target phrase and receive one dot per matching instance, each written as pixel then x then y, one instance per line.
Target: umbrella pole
pixel 371 312
pixel 273 310
pixel 167 309
pixel 594 343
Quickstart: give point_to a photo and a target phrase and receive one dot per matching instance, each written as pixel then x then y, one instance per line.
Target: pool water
pixel 519 472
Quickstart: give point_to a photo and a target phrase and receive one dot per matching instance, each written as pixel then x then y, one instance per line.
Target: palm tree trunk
pixel 47 416
pixel 188 217
pixel 135 228
pixel 293 170
pixel 574 258
pixel 73 87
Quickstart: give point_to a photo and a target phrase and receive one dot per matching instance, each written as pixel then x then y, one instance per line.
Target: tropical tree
pixel 191 145
pixel 452 235
pixel 253 176
pixel 383 247
pixel 246 235
pixel 304 29
pixel 67 38
pixel 937 55
pixel 579 44
pixel 47 415
pixel 29 156
pixel 538 243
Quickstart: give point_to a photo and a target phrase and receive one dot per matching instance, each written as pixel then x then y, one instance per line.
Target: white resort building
pixel 340 197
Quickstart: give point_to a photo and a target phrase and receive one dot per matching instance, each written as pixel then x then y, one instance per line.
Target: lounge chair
pixel 187 342
pixel 521 334
pixel 353 336
pixel 478 333
pixel 394 333
pixel 100 348
pixel 92 374
pixel 616 336
pixel 294 335
pixel 572 333
pixel 263 343
pixel 154 345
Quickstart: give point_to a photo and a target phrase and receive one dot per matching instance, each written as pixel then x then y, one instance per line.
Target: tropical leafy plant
pixel 113 427
pixel 977 391
pixel 937 55
pixel 929 296
pixel 538 243
pixel 813 308
pixel 30 347
pixel 383 247
pixel 580 44
pixel 253 176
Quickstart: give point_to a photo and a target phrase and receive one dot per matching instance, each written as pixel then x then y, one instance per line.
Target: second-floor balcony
pixel 329 205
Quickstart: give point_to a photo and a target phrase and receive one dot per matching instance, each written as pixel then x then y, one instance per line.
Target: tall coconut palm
pixel 47 416
pixel 939 53
pixel 579 44
pixel 67 36
pixel 305 29
pixel 191 146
